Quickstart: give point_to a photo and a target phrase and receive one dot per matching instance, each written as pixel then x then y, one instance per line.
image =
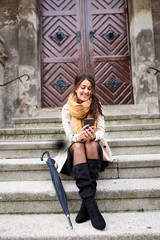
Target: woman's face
pixel 84 90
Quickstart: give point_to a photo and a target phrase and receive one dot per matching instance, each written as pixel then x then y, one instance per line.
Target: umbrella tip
pixel 70 223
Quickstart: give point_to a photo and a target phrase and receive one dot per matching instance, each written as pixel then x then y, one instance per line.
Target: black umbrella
pixel 58 185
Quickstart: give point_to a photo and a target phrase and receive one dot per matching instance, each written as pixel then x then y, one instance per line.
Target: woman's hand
pixel 87 133
pixel 90 133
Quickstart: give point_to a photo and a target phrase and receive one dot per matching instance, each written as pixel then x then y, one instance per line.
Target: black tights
pixel 81 151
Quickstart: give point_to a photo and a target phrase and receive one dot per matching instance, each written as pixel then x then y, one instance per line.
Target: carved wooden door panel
pixel 109 50
pixel 60 49
pixel 85 36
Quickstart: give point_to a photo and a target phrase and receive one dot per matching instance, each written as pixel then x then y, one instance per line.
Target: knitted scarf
pixel 78 111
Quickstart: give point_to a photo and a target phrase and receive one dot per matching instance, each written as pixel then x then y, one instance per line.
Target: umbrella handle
pixel 46 152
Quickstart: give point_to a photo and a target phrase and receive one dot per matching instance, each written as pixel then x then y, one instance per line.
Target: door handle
pixel 91 35
pixel 78 36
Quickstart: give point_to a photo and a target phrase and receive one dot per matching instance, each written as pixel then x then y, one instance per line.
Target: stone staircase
pixel 128 190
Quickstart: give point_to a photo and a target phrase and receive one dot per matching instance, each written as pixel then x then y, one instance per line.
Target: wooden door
pixel 60 49
pixel 85 36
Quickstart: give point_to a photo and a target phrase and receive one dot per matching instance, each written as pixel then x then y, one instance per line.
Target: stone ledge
pixel 53 133
pixel 107 189
pixel 125 109
pixel 108 128
pixel 120 226
pixel 112 195
pixel 49 122
pixel 123 161
pixel 146 141
pixel 126 166
pixel 108 110
pixel 123 146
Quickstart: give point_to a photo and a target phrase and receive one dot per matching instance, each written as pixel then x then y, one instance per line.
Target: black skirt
pixel 67 167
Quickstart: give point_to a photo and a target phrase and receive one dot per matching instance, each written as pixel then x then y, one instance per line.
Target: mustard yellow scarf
pixel 78 111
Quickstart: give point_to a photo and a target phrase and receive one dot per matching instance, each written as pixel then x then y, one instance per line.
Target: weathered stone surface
pixel 3 58
pixel 143 54
pixel 156 24
pixel 29 92
pixel 9 32
pixel 120 226
pixel 126 166
pixel 131 183
pixel 150 145
pixel 111 131
pixel 112 195
pixel 19 29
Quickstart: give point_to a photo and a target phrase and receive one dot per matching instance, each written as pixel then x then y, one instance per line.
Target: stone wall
pixel 19 29
pixel 156 28
pixel 9 32
pixel 29 59
pixel 145 88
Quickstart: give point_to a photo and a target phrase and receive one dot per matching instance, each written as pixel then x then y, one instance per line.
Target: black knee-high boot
pixel 94 166
pixel 83 214
pixel 87 192
pixel 82 176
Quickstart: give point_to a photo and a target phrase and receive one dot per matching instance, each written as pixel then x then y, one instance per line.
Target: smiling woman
pixel 84 91
pixel 87 148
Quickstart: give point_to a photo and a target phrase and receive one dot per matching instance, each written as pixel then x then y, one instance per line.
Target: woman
pixel 87 146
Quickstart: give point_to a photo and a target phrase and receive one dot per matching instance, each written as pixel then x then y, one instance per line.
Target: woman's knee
pixel 78 152
pixel 92 149
pixel 77 146
pixel 91 145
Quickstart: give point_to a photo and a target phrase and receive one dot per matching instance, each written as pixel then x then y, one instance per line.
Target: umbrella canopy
pixel 58 185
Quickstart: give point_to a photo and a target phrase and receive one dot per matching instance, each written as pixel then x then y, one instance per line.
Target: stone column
pixel 3 57
pixel 30 91
pixel 143 54
pixel 156 27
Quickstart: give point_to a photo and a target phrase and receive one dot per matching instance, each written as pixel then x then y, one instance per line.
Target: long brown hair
pixel 95 107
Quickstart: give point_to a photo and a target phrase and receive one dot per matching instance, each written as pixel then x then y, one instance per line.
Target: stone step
pixel 132 119
pixel 38 122
pixel 31 134
pixel 132 131
pixel 121 146
pixel 27 149
pixel 36 170
pixel 108 110
pixel 127 146
pixel 112 131
pixel 112 195
pixel 121 226
pixel 56 121
pixel 126 166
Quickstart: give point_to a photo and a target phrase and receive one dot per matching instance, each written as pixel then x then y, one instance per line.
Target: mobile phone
pixel 89 121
